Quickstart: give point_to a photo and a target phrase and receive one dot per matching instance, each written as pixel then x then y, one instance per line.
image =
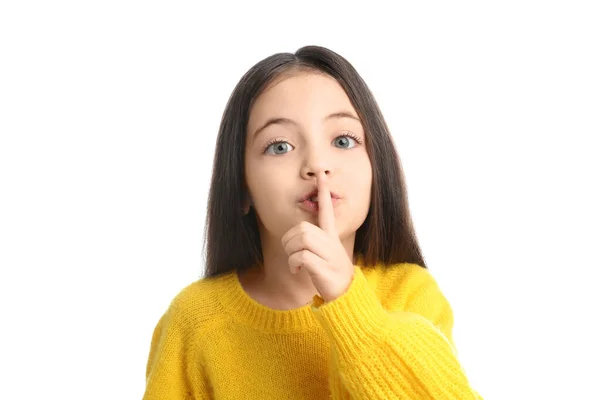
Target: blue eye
pixel 281 145
pixel 345 139
pixel 278 145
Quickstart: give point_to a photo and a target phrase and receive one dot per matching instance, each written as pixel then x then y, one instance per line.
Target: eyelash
pixel 346 134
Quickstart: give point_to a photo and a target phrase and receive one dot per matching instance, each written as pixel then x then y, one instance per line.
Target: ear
pixel 246 203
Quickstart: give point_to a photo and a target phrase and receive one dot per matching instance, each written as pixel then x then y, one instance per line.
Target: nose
pixel 315 163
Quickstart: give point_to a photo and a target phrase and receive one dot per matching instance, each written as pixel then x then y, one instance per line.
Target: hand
pixel 318 249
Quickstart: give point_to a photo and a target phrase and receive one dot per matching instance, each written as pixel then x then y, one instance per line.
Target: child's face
pixel 278 176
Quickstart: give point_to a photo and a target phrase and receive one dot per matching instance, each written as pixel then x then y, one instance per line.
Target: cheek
pixel 361 174
pixel 270 190
pixel 361 182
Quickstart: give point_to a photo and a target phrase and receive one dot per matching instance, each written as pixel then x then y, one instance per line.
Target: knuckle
pixel 304 226
pixel 305 255
pixel 292 261
pixel 304 241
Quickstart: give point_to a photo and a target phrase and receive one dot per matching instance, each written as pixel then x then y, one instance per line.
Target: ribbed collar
pixel 250 312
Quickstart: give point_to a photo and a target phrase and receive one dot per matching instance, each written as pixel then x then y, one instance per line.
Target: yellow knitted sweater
pixel 389 336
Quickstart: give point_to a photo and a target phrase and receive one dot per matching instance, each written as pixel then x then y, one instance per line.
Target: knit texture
pixel 389 336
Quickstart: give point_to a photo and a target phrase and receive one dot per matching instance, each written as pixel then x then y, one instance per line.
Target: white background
pixel 108 118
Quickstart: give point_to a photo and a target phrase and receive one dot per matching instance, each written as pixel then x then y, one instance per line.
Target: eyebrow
pixel 287 121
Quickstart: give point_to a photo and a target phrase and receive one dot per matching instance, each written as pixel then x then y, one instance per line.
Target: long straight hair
pixel 232 240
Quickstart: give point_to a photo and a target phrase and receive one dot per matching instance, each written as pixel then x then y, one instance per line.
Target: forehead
pixel 301 96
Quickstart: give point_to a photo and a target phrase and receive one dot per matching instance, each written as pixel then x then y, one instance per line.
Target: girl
pixel 315 286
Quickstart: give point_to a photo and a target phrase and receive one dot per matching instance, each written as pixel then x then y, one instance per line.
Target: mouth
pixel 310 201
pixel 314 196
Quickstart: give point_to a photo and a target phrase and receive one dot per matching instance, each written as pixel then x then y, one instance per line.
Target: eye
pixel 347 138
pixel 279 147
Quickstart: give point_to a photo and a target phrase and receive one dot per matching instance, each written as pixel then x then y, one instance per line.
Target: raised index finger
pixel 326 215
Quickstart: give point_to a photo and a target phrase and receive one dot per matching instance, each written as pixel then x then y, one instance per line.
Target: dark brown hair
pixel 387 236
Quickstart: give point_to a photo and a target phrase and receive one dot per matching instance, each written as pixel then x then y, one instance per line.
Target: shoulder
pixel 196 306
pixel 411 288
pixel 406 276
pixel 401 285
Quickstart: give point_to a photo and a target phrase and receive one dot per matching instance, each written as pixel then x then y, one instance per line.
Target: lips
pixel 313 206
pixel 315 193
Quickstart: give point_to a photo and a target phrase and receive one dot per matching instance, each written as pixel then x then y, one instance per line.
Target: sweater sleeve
pixel 393 354
pixel 173 371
